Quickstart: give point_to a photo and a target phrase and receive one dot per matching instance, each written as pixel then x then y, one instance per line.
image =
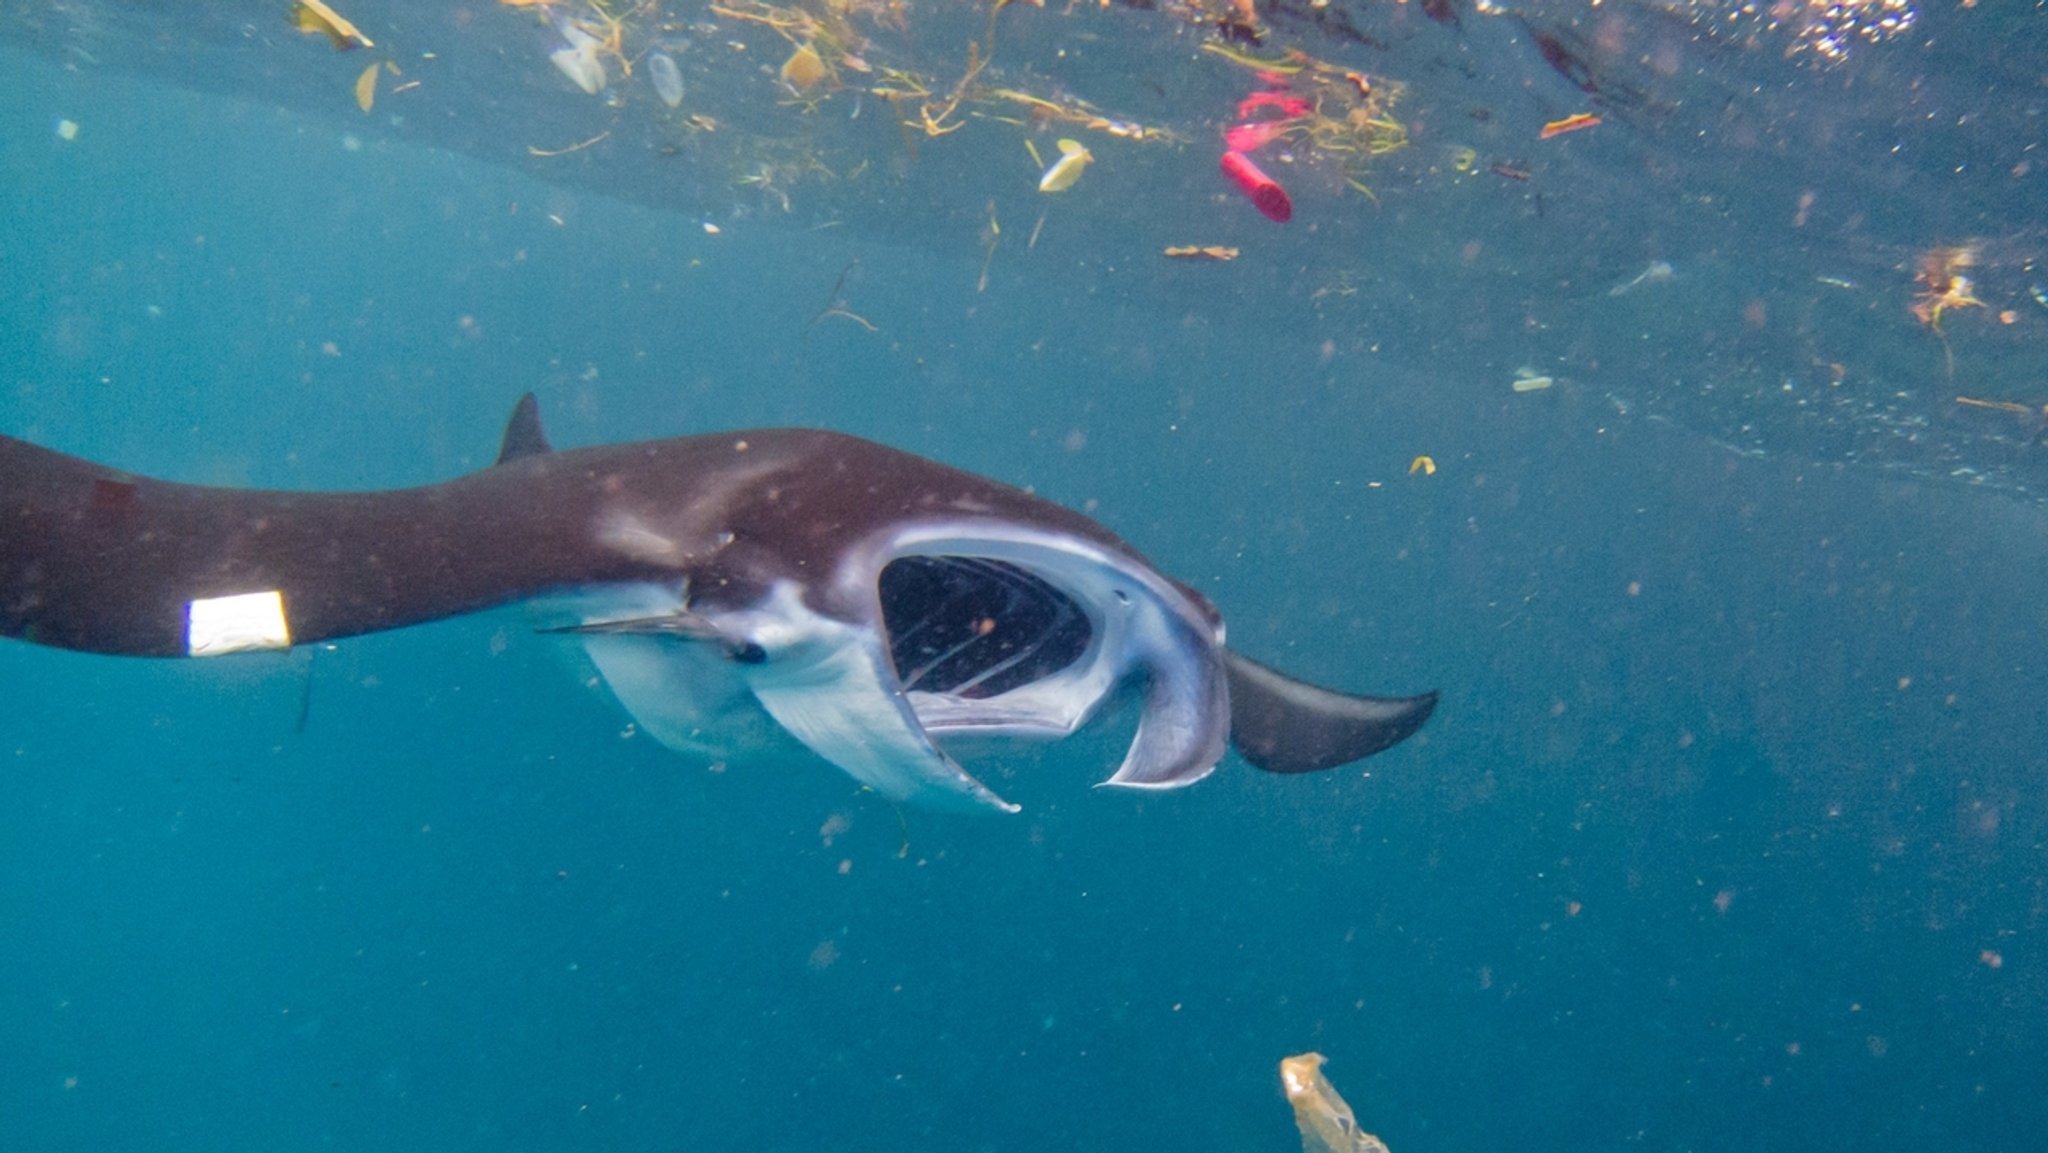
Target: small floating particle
pixel 710 229
pixel 1529 380
pixel 1576 122
pixel 1200 252
pixel 1423 464
pixel 1067 169
pixel 67 130
pixel 1509 169
pixel 317 19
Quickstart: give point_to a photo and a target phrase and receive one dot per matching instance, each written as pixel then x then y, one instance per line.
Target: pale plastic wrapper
pixel 1325 1120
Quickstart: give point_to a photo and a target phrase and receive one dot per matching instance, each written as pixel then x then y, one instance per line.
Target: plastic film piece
pixel 1320 1112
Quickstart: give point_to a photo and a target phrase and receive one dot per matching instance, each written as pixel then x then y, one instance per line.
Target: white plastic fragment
pixel 577 58
pixel 582 66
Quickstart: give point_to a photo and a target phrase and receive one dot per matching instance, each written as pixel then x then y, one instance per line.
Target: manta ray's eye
pixel 978 628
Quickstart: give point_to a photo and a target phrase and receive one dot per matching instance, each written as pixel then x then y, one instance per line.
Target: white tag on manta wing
pixel 244 623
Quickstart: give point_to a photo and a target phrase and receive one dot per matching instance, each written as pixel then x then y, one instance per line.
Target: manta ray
pixel 877 606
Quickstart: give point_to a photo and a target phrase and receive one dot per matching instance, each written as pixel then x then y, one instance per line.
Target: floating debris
pixel 1067 169
pixel 1999 405
pixel 1329 114
pixel 1286 65
pixel 1576 122
pixel 1425 465
pixel 804 70
pixel 577 58
pixel 1262 190
pixel 1529 380
pixel 1658 272
pixel 1326 1122
pixel 991 235
pixel 67 130
pixel 579 146
pixel 1943 285
pixel 317 19
pixel 666 78
pixel 1212 252
pixel 366 87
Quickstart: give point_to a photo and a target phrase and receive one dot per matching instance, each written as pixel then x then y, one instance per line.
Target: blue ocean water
pixel 1729 830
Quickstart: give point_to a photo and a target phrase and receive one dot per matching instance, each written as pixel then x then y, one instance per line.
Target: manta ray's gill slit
pixel 975 627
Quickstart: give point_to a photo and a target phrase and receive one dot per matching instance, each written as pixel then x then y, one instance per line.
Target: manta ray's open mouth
pixel 972 628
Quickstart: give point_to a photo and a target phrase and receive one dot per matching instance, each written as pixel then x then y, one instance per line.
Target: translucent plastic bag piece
pixel 1326 1123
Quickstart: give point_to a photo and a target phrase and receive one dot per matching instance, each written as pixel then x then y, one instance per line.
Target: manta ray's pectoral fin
pixel 1283 725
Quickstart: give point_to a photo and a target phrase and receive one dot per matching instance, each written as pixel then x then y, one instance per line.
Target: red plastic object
pixel 1262 190
pixel 1255 135
pixel 1289 106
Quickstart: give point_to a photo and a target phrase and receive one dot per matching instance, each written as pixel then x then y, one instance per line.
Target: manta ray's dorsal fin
pixel 524 436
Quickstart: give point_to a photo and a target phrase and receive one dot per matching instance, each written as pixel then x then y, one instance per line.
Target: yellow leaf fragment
pixel 1325 1121
pixel 1422 464
pixel 1067 169
pixel 316 18
pixel 805 69
pixel 366 88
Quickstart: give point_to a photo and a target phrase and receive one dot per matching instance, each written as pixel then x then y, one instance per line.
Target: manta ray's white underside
pixel 832 684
